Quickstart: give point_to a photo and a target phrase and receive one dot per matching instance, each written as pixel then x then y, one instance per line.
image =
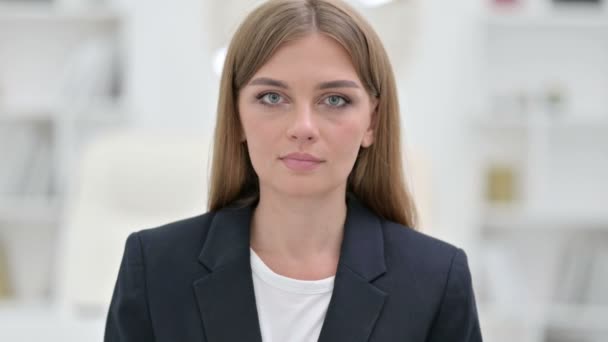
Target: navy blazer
pixel 190 280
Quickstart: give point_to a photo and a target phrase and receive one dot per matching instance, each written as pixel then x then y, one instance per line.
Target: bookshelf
pixel 544 123
pixel 61 83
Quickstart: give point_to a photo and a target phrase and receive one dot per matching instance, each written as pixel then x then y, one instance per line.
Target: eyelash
pixel 261 96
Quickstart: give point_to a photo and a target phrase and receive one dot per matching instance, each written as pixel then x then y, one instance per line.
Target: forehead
pixel 312 57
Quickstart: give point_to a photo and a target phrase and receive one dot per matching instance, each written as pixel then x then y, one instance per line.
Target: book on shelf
pixel 16 146
pixel 90 75
pixel 27 162
pixel 596 290
pixel 36 181
pixel 5 288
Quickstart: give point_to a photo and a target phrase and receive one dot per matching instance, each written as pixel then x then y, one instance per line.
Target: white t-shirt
pixel 289 309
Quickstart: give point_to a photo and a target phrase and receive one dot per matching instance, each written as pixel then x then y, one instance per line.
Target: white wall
pixel 169 65
pixel 438 96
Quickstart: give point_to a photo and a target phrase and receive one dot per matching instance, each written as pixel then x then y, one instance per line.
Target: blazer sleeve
pixel 128 317
pixel 457 319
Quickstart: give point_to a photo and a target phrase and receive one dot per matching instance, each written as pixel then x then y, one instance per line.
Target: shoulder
pixel 173 242
pixel 431 277
pixel 415 253
pixel 183 229
pixel 433 274
pixel 409 240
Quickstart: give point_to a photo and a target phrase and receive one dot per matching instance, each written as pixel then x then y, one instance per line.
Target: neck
pixel 299 228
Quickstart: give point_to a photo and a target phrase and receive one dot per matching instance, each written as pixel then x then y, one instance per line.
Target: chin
pixel 303 187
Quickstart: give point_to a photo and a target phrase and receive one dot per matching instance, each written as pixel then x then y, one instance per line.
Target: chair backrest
pixel 127 181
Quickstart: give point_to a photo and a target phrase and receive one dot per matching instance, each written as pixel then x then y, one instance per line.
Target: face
pixel 305 115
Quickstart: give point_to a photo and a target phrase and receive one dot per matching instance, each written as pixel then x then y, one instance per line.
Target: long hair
pixel 377 178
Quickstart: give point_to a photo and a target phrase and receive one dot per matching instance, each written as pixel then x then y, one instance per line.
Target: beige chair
pixel 127 181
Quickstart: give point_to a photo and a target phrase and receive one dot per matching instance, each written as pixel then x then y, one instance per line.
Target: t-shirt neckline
pixel 289 284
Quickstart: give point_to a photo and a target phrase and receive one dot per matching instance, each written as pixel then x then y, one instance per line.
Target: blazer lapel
pixel 356 303
pixel 225 296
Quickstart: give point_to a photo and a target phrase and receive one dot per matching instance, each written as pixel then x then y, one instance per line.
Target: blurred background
pixel 107 109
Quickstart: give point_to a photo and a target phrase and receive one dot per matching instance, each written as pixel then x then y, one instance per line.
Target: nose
pixel 303 127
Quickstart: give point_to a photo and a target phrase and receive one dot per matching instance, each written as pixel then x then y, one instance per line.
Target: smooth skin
pixel 307 99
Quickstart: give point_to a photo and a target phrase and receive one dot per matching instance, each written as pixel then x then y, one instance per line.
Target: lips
pixel 302 157
pixel 301 161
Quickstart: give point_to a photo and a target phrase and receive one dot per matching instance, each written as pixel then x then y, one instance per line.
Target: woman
pixel 310 233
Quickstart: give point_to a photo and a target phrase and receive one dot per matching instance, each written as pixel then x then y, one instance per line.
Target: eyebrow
pixel 269 82
pixel 325 85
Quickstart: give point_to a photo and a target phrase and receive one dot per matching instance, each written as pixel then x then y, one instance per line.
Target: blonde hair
pixel 377 176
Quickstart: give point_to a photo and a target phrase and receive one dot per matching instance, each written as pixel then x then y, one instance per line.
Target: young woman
pixel 310 231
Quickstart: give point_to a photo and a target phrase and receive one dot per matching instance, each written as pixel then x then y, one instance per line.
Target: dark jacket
pixel 190 280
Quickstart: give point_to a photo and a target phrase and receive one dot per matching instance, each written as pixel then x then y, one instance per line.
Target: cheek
pixel 251 123
pixel 261 136
pixel 346 140
pixel 257 122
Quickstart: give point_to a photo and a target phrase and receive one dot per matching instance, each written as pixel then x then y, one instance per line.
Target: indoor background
pixel 107 109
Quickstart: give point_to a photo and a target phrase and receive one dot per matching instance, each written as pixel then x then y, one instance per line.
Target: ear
pixel 368 137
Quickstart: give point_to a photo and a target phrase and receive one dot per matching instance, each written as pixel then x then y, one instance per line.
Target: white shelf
pixel 102 114
pixel 579 317
pixel 50 14
pixel 553 21
pixel 514 219
pixel 530 323
pixel 37 210
pixel 51 325
pixel 502 325
pixel 586 123
pixel 29 115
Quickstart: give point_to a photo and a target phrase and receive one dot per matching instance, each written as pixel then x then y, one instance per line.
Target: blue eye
pixel 271 98
pixel 336 101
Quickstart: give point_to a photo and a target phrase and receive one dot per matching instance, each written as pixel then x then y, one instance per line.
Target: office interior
pixel 107 110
